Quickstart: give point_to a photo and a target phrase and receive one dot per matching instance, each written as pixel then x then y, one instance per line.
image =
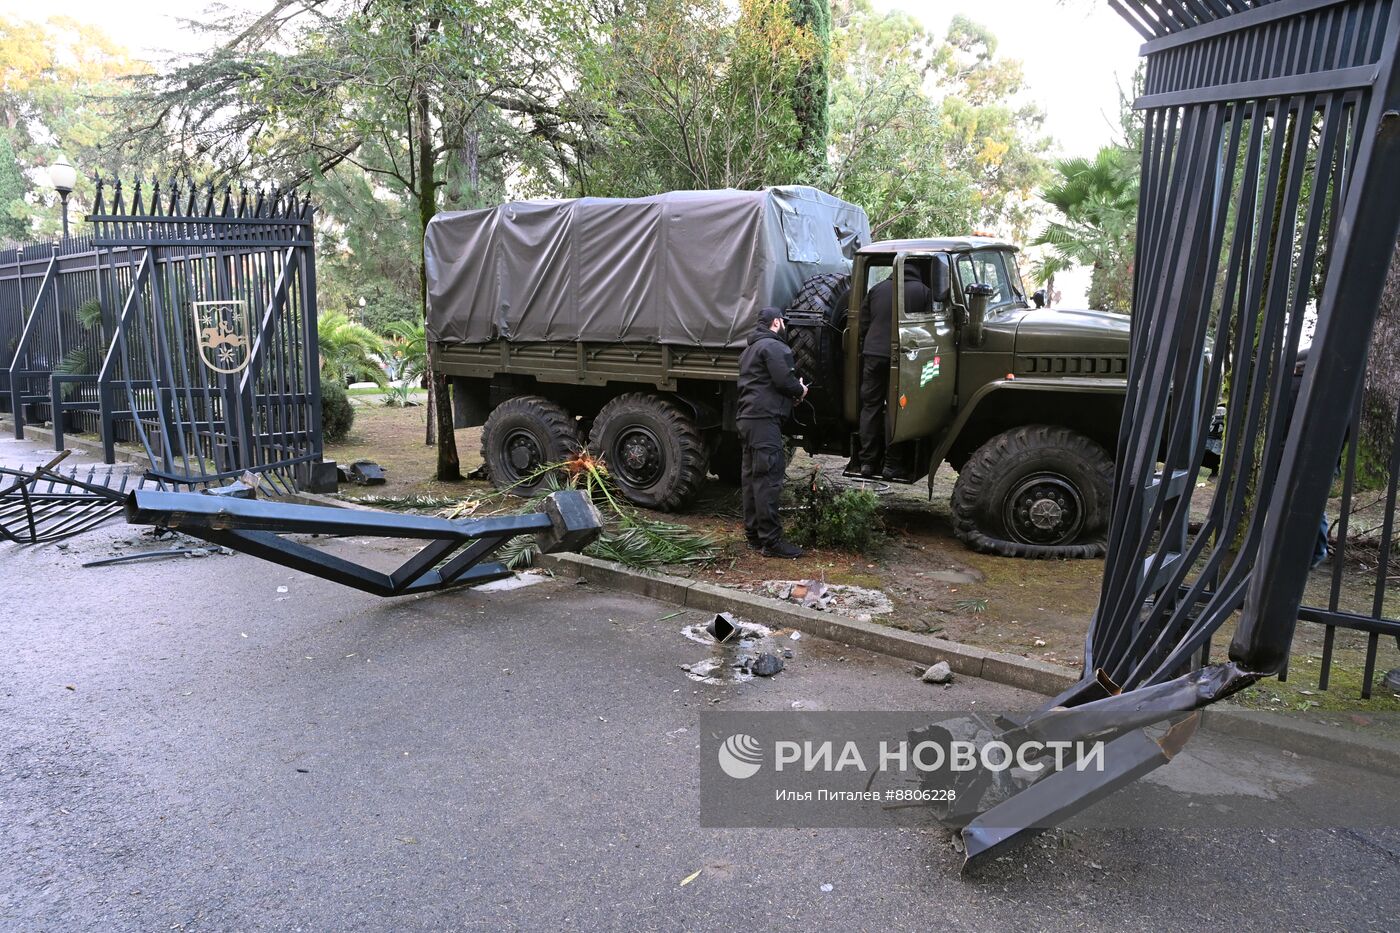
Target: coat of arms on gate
pixel 222 328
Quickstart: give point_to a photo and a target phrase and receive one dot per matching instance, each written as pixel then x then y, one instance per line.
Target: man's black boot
pixel 783 549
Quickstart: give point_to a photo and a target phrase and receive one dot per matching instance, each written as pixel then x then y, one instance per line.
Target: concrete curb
pixel 1299 737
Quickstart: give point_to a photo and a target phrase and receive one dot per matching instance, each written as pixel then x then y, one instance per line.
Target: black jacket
pixel 879 307
pixel 767 377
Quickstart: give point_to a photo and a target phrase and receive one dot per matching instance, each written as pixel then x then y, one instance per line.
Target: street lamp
pixel 64 178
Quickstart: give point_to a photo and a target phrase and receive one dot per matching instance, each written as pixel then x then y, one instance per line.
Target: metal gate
pixel 1270 198
pixel 212 305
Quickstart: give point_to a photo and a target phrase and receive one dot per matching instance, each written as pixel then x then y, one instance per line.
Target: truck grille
pixel 1071 365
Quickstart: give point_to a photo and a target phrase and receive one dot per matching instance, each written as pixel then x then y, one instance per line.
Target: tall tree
pixel 14 212
pixel 398 93
pixel 922 133
pixel 811 90
pixel 1381 398
pixel 683 94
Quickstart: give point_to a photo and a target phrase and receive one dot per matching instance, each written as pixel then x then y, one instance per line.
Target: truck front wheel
pixel 652 449
pixel 1036 491
pixel 521 437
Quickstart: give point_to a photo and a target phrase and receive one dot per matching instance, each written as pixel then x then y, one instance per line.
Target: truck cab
pixel 1024 401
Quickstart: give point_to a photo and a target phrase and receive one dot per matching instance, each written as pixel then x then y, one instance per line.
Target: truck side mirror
pixel 978 295
pixel 1039 298
pixel 940 283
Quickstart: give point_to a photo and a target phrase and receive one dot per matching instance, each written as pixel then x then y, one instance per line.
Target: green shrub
pixel 848 519
pixel 337 414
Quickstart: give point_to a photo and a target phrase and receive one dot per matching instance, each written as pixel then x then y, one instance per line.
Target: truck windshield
pixel 996 268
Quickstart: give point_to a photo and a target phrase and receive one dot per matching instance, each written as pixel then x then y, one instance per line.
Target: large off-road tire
pixel 522 435
pixel 817 350
pixel 1038 491
pixel 652 448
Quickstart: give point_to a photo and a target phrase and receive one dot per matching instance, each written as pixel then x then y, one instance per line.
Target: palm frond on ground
pixel 628 538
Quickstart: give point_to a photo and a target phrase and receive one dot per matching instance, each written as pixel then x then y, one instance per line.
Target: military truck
pixel 618 325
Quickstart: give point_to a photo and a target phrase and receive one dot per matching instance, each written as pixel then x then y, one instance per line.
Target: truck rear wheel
pixel 1037 491
pixel 523 435
pixel 652 448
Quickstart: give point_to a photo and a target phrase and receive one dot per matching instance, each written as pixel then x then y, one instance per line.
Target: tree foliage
pixel 348 349
pixel 57 79
pixel 810 90
pixel 1095 224
pixel 687 94
pixel 419 101
pixel 1096 200
pixel 923 134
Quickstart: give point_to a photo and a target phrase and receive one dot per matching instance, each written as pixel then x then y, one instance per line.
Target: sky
pixel 1076 53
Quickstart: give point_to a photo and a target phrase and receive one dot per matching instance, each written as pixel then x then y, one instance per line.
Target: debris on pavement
pixel 737 658
pixel 823 597
pixel 147 555
pixel 766 665
pixel 722 627
pixel 939 673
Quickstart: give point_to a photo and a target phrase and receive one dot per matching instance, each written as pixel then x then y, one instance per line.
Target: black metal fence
pixel 186 322
pixel 1270 200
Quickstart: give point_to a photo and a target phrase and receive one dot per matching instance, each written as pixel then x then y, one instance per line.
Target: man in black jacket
pixel 875 362
pixel 768 385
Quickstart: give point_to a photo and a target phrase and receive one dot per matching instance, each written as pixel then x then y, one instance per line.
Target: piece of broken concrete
pixel 939 673
pixel 766 665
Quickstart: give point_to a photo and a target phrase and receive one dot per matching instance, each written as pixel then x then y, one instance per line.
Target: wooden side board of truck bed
pixel 592 364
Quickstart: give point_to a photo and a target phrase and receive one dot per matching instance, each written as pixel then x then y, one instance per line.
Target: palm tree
pixel 1097 201
pixel 348 348
pixel 407 358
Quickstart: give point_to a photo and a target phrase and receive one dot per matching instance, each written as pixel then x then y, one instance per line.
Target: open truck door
pixel 923 371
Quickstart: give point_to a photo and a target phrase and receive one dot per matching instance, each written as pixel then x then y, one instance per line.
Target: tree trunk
pixel 1380 397
pixel 809 94
pixel 449 467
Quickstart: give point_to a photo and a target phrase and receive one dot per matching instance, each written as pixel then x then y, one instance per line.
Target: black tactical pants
pixel 874 389
pixel 765 463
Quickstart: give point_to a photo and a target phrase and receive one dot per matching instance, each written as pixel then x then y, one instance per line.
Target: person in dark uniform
pixel 875 362
pixel 768 385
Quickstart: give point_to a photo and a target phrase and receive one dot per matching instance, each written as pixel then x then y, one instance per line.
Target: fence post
pixel 56 407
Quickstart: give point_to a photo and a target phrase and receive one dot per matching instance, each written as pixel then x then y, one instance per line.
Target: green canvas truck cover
pixel 690 268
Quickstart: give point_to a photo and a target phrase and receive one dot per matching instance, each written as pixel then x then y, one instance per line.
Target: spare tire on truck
pixel 523 435
pixel 818 317
pixel 652 448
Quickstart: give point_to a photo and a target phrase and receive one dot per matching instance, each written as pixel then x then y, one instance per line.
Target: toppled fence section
pixel 456 554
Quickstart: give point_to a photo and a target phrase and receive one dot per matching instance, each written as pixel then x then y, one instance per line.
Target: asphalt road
pixel 183 745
